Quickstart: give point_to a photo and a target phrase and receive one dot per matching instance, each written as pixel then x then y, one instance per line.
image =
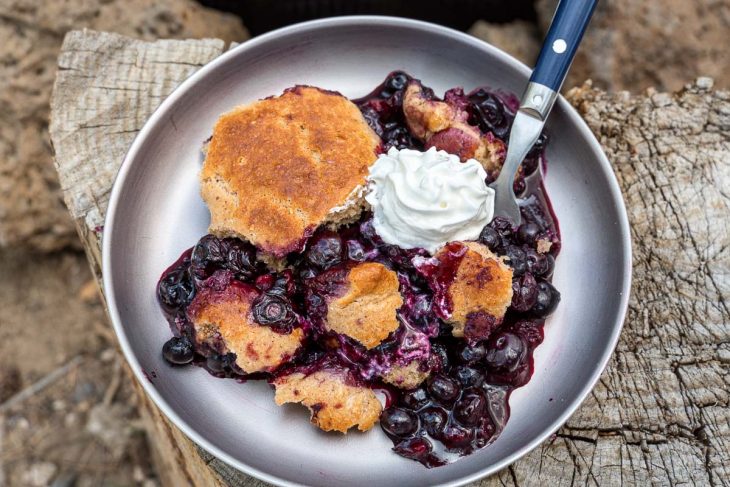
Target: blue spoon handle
pixel 562 40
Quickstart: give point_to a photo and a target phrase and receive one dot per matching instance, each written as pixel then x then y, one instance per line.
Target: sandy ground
pixel 67 413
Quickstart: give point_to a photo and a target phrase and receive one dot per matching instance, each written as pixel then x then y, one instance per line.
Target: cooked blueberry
pixel 484 432
pixel 547 299
pixel 491 238
pixel 503 226
pixel 415 399
pixel 488 112
pixel 471 353
pixel 439 356
pixel 455 436
pixel 505 352
pixel 443 389
pixel 215 363
pixel 367 229
pixel 176 289
pixel 528 232
pixel 273 310
pixel 530 331
pixel 208 251
pixel 325 250
pixel 372 117
pixel 240 258
pixel 399 422
pixel 434 419
pixel 284 284
pixel 524 292
pixel 307 273
pixel 397 81
pixel 539 264
pixel 517 260
pixel 178 350
pixel 479 325
pixel 468 376
pixel 355 251
pixel 470 408
pixel 415 448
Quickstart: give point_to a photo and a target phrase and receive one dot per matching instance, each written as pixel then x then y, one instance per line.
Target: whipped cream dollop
pixel 426 199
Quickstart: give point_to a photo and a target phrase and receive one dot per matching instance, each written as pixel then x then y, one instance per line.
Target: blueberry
pixel 434 419
pixel 367 230
pixel 208 252
pixel 415 399
pixel 355 251
pixel 415 448
pixel 491 238
pixel 468 376
pixel 488 112
pixel 178 350
pixel 517 260
pixel 175 290
pixel 439 356
pixel 283 284
pixel 325 250
pixel 479 325
pixel 524 292
pixel 471 353
pixel 215 363
pixel 399 422
pixel 503 226
pixel 470 409
pixel 275 311
pixel 530 331
pixel 240 258
pixel 455 436
pixel 397 81
pixel 547 299
pixel 443 388
pixel 372 117
pixel 505 352
pixel 528 232
pixel 307 273
pixel 539 264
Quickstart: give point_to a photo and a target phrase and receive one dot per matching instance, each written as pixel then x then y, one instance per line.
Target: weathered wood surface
pixel 659 415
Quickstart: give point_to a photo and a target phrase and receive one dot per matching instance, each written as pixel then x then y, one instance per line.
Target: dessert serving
pixel 354 262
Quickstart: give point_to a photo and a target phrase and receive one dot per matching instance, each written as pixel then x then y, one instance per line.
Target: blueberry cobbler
pixel 354 263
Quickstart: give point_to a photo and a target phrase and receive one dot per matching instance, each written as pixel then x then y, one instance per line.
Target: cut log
pixel 659 414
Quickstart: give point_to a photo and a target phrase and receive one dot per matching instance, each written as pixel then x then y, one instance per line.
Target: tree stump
pixel 660 413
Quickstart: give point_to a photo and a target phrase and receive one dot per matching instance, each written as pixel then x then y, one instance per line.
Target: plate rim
pixel 376 21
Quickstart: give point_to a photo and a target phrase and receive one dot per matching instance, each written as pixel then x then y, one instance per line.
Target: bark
pixel 658 416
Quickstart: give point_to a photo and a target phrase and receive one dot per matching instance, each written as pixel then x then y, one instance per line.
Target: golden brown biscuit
pixel 407 376
pixel 483 282
pixel 227 314
pixel 335 405
pixel 275 169
pixel 445 127
pixel 367 309
pixel 472 287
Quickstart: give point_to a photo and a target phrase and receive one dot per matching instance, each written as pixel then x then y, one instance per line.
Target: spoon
pixel 558 50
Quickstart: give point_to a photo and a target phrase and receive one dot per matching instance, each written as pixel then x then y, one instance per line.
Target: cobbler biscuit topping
pixel 367 311
pixel 417 292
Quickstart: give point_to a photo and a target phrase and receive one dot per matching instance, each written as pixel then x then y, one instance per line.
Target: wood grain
pixel 659 415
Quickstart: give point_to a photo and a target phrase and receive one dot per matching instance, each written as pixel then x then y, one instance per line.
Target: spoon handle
pixel 558 50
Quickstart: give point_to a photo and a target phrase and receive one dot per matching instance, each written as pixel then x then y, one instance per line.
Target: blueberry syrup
pixel 463 405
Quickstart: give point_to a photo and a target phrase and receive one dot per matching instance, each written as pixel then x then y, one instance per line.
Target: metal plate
pixel 156 212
